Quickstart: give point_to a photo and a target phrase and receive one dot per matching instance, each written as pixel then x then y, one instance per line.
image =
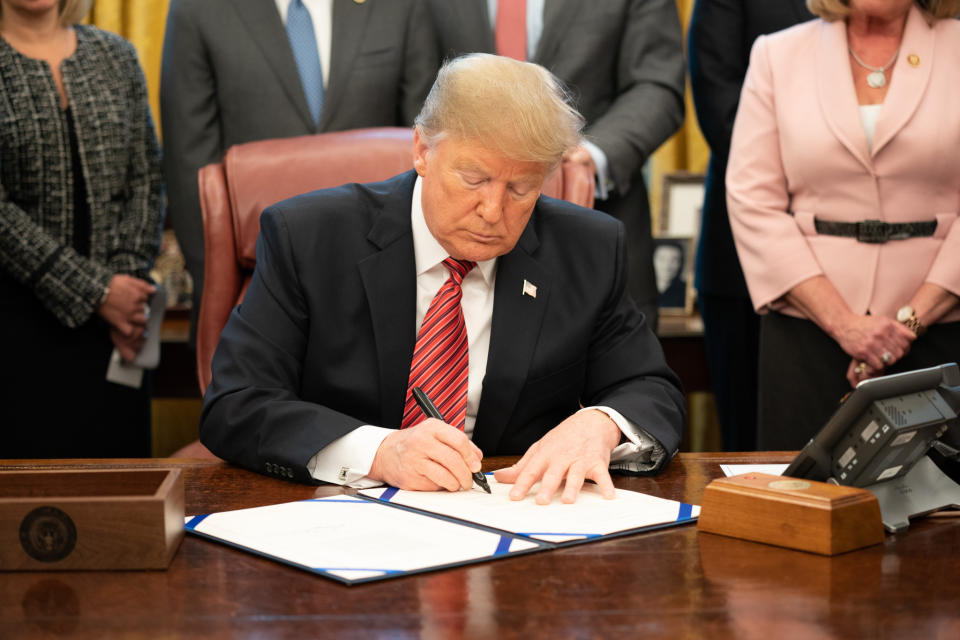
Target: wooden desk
pixel 674 583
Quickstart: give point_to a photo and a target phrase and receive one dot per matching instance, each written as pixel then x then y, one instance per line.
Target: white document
pixel 354 540
pixel 737 469
pixel 591 516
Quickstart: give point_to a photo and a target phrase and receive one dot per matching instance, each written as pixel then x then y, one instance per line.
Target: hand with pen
pixel 427 457
pixel 430 456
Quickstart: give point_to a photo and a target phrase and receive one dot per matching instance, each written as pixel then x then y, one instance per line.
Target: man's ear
pixel 420 150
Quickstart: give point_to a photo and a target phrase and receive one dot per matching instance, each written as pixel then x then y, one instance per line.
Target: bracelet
pixel 103 298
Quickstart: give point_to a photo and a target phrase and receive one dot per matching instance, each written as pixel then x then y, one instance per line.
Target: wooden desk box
pixel 797 514
pixel 56 520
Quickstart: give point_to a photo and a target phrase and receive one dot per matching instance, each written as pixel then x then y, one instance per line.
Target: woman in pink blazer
pixel 843 188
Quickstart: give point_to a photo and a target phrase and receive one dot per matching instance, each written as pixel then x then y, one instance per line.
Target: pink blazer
pixel 799 151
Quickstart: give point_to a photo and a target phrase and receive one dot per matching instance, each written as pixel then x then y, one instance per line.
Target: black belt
pixel 875 231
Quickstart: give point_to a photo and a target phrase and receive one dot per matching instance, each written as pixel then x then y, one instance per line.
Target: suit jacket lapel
pixel 514 332
pixel 557 14
pixel 268 33
pixel 389 281
pixel 908 83
pixel 836 93
pixel 349 23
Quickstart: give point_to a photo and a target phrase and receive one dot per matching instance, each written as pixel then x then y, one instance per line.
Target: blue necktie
pixel 303 41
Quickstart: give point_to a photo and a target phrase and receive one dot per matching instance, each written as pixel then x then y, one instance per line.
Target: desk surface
pixel 673 583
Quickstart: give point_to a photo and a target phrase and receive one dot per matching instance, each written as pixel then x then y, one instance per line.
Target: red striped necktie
pixel 439 364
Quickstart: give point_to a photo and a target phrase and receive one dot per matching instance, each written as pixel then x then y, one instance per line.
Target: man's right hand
pixel 125 308
pixel 429 456
pixel 579 177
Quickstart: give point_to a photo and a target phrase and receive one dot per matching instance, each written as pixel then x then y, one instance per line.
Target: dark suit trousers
pixel 56 401
pixel 731 334
pixel 633 211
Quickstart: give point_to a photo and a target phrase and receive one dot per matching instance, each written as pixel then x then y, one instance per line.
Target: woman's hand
pixel 876 341
pixel 128 348
pixel 931 302
pixel 126 305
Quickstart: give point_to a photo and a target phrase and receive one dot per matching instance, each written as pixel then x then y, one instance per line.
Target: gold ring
pixel 861 368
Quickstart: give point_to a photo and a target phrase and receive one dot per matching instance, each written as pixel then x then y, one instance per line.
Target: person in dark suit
pixel 622 60
pixel 312 375
pixel 230 75
pixel 721 35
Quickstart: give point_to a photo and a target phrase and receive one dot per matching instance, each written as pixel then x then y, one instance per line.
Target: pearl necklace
pixel 877 78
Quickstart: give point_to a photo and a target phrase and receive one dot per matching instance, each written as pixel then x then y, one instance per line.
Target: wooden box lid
pixel 102 519
pixel 788 512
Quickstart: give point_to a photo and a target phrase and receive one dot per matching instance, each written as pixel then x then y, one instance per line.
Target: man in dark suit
pixel 313 373
pixel 230 75
pixel 721 36
pixel 623 62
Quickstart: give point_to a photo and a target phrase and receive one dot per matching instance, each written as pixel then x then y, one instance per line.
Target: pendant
pixel 877 80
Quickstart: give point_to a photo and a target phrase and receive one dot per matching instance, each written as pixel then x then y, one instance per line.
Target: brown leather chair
pixel 252 176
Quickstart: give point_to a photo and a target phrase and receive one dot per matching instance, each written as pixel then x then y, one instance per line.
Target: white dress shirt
pixel 321 14
pixel 347 460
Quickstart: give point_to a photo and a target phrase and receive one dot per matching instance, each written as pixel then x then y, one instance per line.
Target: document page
pixel 591 516
pixel 737 469
pixel 352 539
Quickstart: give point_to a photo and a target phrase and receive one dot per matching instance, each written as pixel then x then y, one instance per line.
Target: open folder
pixel 385 532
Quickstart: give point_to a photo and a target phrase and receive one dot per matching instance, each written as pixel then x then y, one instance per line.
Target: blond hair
pixel 516 108
pixel 839 9
pixel 70 11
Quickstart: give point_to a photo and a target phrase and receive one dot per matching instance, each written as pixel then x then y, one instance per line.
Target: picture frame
pixel 673 258
pixel 681 204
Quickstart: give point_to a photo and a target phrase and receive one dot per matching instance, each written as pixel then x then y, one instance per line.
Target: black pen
pixel 426 405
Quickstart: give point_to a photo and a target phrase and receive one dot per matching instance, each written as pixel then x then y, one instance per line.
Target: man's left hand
pixel 575 450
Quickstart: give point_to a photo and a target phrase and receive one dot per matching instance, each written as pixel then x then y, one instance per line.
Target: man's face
pixel 475 201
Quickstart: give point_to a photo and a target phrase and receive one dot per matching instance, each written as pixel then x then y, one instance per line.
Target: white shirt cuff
pixel 639 445
pixel 604 184
pixel 347 460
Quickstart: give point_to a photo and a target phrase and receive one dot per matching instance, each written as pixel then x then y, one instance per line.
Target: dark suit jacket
pixel 229 77
pixel 623 62
pixel 721 36
pixel 322 346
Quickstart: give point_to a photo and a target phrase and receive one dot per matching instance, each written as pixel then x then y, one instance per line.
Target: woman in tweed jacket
pixel 80 218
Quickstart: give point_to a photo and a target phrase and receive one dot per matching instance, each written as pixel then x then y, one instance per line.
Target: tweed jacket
pixel 120 160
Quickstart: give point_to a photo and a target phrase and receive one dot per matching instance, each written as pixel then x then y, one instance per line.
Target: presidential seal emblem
pixel 789 485
pixel 48 534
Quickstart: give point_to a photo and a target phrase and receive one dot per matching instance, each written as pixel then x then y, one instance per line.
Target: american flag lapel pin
pixel 529 289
